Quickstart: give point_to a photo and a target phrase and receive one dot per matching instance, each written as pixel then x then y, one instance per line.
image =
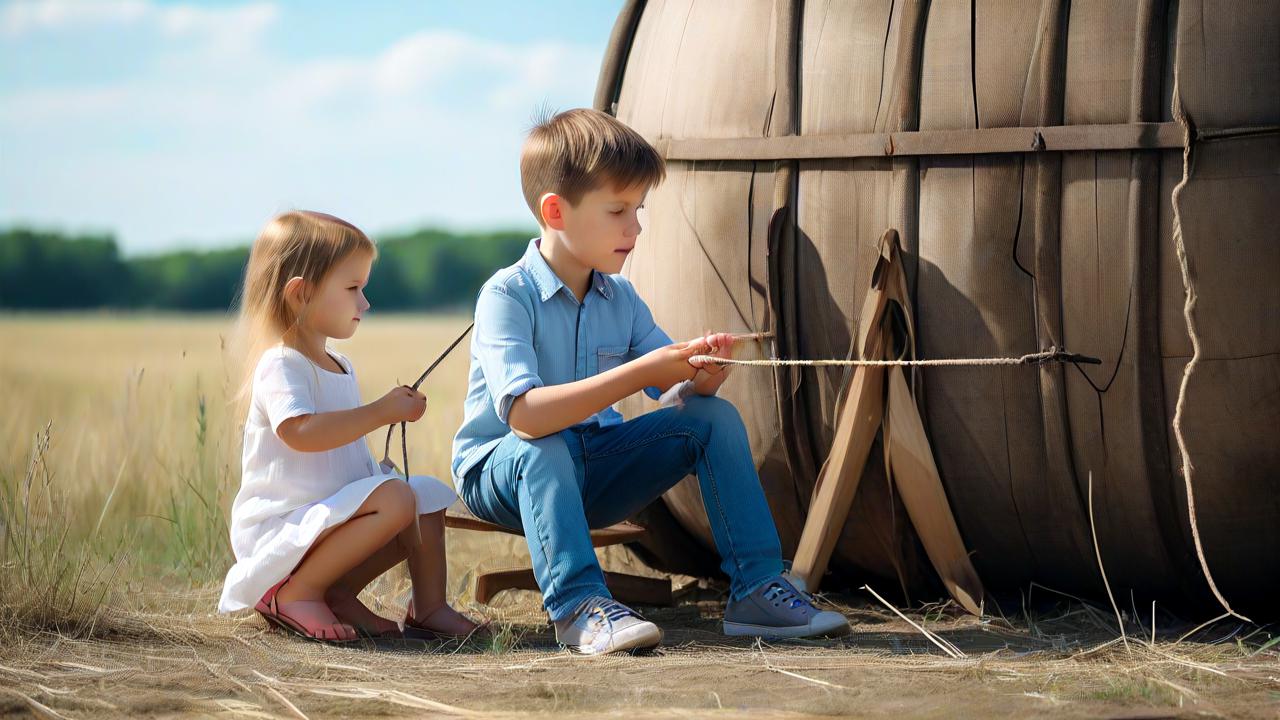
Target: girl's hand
pixel 402 404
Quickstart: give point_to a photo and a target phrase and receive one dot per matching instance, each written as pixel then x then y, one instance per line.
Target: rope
pixel 404 442
pixel 1180 247
pixel 1050 355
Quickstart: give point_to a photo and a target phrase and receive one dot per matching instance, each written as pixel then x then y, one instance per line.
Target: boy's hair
pixel 577 151
pixel 301 244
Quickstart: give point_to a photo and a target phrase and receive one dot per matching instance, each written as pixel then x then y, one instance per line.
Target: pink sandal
pixel 325 633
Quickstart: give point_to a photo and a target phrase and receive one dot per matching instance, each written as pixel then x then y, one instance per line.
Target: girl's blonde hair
pixel 301 244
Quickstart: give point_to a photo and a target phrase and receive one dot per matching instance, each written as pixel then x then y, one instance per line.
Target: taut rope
pixel 1048 356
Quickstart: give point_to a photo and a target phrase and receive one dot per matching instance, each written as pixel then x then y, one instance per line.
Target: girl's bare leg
pixel 343 596
pixel 429 572
pixel 384 514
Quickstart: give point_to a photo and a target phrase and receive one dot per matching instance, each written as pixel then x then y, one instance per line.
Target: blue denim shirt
pixel 531 331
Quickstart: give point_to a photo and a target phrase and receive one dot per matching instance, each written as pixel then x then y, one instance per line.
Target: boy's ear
pixel 295 293
pixel 552 207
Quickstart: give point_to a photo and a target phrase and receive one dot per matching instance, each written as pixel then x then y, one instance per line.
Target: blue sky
pixel 187 124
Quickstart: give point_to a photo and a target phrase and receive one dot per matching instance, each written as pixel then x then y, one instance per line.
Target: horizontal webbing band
pixel 1058 138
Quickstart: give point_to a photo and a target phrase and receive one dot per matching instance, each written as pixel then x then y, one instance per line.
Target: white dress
pixel 287 498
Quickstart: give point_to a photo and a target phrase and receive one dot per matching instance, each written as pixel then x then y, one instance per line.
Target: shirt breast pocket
pixel 610 357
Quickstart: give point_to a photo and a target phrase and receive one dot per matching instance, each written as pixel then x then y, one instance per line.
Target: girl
pixel 316 519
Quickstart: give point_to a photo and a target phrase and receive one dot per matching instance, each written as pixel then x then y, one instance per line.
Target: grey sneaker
pixel 779 609
pixel 603 625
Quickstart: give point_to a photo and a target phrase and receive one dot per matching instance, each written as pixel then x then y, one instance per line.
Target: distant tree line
pixel 43 270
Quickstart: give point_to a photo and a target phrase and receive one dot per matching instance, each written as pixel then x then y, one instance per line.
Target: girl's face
pixel 338 304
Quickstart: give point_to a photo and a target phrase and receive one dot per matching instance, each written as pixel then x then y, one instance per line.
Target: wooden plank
pixel 458 516
pixel 630 589
pixel 974 141
pixel 856 428
pixel 838 480
pixel 916 477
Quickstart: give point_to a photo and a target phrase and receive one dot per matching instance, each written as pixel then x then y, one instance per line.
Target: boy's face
pixel 601 229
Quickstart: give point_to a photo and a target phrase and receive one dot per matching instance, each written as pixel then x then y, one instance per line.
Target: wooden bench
pixel 632 589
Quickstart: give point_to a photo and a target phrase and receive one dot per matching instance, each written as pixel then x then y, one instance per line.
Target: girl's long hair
pixel 301 244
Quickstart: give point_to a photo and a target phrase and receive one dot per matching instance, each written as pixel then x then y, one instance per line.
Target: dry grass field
pixel 121 457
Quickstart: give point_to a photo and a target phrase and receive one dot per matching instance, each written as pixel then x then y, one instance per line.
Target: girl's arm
pixel 318 432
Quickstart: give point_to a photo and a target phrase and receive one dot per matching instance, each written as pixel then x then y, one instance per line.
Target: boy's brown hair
pixel 577 151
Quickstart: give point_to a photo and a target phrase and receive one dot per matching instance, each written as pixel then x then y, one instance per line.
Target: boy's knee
pixel 549 453
pixel 713 409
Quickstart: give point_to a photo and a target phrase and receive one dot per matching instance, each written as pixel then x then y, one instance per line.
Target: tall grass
pixel 122 454
pixel 53 578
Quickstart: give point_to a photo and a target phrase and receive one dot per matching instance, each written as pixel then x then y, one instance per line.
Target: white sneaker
pixel 603 625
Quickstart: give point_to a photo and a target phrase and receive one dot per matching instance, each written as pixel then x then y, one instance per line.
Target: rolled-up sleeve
pixel 646 336
pixel 504 347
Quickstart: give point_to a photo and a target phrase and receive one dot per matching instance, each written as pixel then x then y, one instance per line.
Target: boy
pixel 559 338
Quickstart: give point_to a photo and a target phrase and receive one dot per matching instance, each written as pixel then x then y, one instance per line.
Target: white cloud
pixel 22 16
pixel 220 130
pixel 26 16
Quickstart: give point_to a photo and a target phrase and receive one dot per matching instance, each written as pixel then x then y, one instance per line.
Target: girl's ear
pixel 295 293
pixel 552 211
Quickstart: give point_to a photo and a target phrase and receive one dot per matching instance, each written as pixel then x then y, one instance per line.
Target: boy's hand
pixel 401 404
pixel 714 345
pixel 669 365
pixel 711 375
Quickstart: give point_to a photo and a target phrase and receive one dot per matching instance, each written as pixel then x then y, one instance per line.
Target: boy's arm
pixel 545 410
pixel 646 335
pixel 503 344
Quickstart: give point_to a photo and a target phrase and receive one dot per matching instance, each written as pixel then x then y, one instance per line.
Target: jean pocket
pixel 608 358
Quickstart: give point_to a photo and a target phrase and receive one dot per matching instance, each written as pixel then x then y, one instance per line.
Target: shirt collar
pixel 546 280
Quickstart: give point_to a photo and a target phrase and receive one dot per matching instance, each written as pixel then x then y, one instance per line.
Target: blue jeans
pixel 557 487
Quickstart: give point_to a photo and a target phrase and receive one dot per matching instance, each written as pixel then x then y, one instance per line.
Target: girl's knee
pixel 396 502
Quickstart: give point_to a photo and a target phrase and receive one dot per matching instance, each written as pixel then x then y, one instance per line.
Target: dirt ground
pixel 168 664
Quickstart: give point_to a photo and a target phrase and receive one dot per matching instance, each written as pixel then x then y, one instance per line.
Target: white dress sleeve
pixel 284 386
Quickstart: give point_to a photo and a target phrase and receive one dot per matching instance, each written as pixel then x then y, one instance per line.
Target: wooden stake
pixel 916 477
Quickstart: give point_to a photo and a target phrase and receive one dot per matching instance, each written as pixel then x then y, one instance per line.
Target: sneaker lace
pixel 611 609
pixel 783 593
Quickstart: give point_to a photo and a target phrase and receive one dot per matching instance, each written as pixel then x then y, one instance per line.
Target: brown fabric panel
pixel 1005 34
pixel 972 301
pixel 1233 399
pixel 1041 232
pixel 846 61
pixel 1230 426
pixel 700 70
pixel 1100 50
pixel 1100 314
pixel 1229 226
pixel 1228 57
pixel 1110 301
pixel 947 96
